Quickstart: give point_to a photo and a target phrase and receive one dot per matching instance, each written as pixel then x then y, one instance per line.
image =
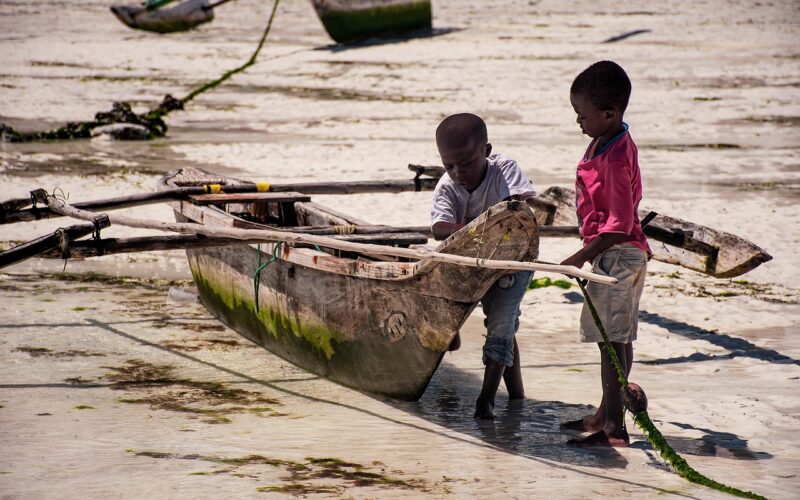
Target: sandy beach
pixel 116 382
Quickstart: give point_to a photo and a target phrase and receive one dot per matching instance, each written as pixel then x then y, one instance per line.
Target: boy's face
pixel 465 165
pixel 593 121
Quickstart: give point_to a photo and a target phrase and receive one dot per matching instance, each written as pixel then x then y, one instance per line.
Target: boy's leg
pixel 613 431
pixel 501 306
pixel 512 376
pixel 632 271
pixel 484 406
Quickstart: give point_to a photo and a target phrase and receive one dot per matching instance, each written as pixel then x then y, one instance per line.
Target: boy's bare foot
pixel 455 344
pixel 586 424
pixel 600 438
pixel 484 410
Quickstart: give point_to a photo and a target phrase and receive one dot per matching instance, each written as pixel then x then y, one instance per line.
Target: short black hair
pixel 460 130
pixel 605 84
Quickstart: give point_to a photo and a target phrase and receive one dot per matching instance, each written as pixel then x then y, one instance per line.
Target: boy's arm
pixel 598 245
pixel 441 230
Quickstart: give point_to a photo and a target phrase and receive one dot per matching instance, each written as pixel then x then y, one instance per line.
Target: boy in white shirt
pixel 477 179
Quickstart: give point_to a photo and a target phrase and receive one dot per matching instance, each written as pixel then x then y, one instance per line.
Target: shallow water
pixel 714 111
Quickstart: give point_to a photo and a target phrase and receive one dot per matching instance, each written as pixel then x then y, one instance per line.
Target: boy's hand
pixel 442 230
pixel 575 259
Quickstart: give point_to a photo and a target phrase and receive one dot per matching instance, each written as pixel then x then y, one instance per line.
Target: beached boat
pixel 672 240
pixel 351 20
pixel 181 17
pixel 376 325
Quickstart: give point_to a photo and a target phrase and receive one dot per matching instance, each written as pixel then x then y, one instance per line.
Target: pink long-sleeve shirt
pixel 608 189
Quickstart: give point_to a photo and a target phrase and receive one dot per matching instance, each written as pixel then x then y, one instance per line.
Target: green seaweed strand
pixel 654 436
pixel 159 112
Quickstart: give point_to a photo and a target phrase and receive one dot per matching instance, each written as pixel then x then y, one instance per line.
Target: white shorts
pixel 618 304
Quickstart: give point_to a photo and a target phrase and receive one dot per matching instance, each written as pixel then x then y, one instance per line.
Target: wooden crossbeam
pixel 225 198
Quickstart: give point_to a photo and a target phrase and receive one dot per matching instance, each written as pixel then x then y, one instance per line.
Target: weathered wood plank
pixel 225 198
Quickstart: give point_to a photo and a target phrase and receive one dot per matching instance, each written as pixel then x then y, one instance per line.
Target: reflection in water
pixel 527 428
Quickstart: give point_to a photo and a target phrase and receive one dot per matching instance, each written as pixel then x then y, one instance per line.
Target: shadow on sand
pixel 372 42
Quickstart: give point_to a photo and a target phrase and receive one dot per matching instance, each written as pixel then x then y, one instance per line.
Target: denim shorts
pixel 617 305
pixel 501 306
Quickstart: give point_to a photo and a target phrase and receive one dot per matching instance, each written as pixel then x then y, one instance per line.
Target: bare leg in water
pixel 612 431
pixel 594 423
pixel 492 374
pixel 512 376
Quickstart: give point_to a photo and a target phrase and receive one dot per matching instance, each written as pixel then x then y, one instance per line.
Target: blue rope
pixel 257 274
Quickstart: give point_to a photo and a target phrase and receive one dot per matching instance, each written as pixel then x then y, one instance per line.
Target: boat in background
pixel 160 19
pixel 353 20
pixel 378 325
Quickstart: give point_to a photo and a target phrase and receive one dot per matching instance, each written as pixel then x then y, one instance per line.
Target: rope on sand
pixel 642 419
pixel 152 122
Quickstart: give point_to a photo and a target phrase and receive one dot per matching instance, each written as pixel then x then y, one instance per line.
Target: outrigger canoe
pixel 378 326
pixel 352 20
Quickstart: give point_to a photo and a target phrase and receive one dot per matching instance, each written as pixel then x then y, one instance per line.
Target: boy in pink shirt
pixel 608 189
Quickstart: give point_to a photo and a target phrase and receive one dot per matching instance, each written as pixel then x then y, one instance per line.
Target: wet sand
pixel 111 387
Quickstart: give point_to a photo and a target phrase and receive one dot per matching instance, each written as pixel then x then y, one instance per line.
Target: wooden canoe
pixel 672 240
pixel 379 326
pixel 353 20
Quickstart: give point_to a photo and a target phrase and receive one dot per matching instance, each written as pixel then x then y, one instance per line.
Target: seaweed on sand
pixel 304 477
pixel 211 400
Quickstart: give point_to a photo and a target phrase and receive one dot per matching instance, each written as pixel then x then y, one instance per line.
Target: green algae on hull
pixel 266 319
pixel 348 26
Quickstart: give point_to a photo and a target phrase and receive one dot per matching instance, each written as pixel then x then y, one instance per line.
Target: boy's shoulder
pixel 623 144
pixel 501 161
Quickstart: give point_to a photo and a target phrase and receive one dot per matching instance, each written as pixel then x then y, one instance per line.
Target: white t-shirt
pixel 452 203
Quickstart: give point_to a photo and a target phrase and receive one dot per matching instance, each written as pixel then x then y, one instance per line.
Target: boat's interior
pixel 292 211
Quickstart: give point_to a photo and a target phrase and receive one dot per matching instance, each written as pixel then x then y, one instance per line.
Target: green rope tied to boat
pixel 642 419
pixel 257 274
pixel 159 112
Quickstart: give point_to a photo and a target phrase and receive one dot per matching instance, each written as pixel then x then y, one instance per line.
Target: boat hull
pixel 378 326
pixel 361 333
pixel 350 21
